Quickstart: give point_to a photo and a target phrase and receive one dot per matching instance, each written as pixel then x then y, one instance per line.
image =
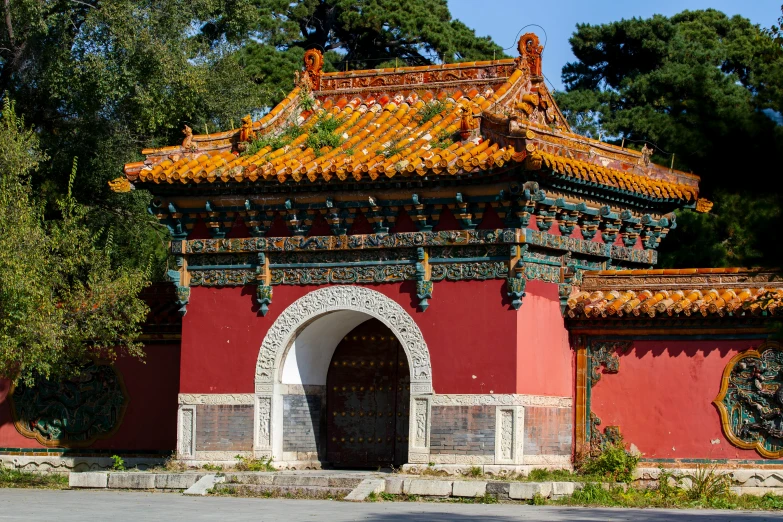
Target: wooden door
pixel 368 395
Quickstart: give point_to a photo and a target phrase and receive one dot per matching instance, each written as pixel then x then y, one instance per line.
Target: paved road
pixel 66 506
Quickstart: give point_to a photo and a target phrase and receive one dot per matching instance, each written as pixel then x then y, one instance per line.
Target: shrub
pixel 613 462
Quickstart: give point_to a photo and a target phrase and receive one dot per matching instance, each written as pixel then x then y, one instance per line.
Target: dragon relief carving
pixel 750 401
pixel 74 412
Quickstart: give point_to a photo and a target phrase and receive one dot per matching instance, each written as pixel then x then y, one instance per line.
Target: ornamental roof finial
pixel 314 61
pixel 530 52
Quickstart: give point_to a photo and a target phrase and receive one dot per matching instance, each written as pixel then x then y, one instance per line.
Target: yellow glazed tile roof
pixel 676 293
pixel 443 120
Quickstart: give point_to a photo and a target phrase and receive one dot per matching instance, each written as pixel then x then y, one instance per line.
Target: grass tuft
pixel 246 464
pixel 14 478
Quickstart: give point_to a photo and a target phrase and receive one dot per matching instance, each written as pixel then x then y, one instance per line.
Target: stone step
pixel 258 490
pixel 273 479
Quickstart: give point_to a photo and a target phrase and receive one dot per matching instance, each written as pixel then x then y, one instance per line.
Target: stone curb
pixel 133 480
pixel 88 480
pixel 203 485
pixel 365 488
pixel 472 489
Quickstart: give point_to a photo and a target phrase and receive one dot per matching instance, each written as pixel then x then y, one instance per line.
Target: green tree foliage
pixel 708 89
pixel 102 80
pixel 62 300
pixel 356 34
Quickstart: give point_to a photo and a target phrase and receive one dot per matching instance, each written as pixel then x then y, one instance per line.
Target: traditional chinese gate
pixel 368 396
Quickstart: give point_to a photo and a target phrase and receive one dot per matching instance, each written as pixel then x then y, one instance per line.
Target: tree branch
pixel 8 24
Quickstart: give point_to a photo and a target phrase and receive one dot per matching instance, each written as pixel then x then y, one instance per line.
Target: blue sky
pixel 502 19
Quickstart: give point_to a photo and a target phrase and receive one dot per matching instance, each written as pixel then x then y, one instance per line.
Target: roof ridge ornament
pixel 530 54
pixel 313 61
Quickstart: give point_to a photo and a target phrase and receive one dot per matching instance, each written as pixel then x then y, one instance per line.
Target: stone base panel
pixel 742 478
pixel 56 463
pixel 289 425
pixel 492 470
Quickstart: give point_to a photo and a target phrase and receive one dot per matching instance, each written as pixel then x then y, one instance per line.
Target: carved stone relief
pixel 187 431
pixel 264 422
pixel 216 398
pixel 336 298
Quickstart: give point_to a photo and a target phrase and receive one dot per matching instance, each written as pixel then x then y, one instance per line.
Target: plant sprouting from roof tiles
pixel 432 109
pixel 323 134
pixel 274 141
pixel 444 140
pixel 307 103
pixel 392 149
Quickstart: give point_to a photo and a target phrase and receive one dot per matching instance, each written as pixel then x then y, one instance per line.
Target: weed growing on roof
pixel 307 103
pixel 444 140
pixel 431 109
pixel 274 141
pixel 392 149
pixel 323 134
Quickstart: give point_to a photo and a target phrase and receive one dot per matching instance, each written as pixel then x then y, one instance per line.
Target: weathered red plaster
pixel 544 360
pixel 469 329
pixel 662 398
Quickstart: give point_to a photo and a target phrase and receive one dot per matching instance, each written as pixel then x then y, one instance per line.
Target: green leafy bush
pixel 613 462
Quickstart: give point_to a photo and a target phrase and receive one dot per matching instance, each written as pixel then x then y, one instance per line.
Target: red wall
pixel 469 327
pixel 150 421
pixel 545 360
pixel 662 399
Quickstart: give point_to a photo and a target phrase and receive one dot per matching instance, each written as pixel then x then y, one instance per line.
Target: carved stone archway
pixel 268 441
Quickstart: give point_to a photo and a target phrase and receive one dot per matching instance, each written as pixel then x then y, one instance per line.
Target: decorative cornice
pixel 450 238
pixel 230 399
pixel 677 279
pixel 502 400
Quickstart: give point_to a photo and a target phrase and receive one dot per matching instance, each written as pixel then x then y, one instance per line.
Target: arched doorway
pixel 368 399
pixel 295 358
